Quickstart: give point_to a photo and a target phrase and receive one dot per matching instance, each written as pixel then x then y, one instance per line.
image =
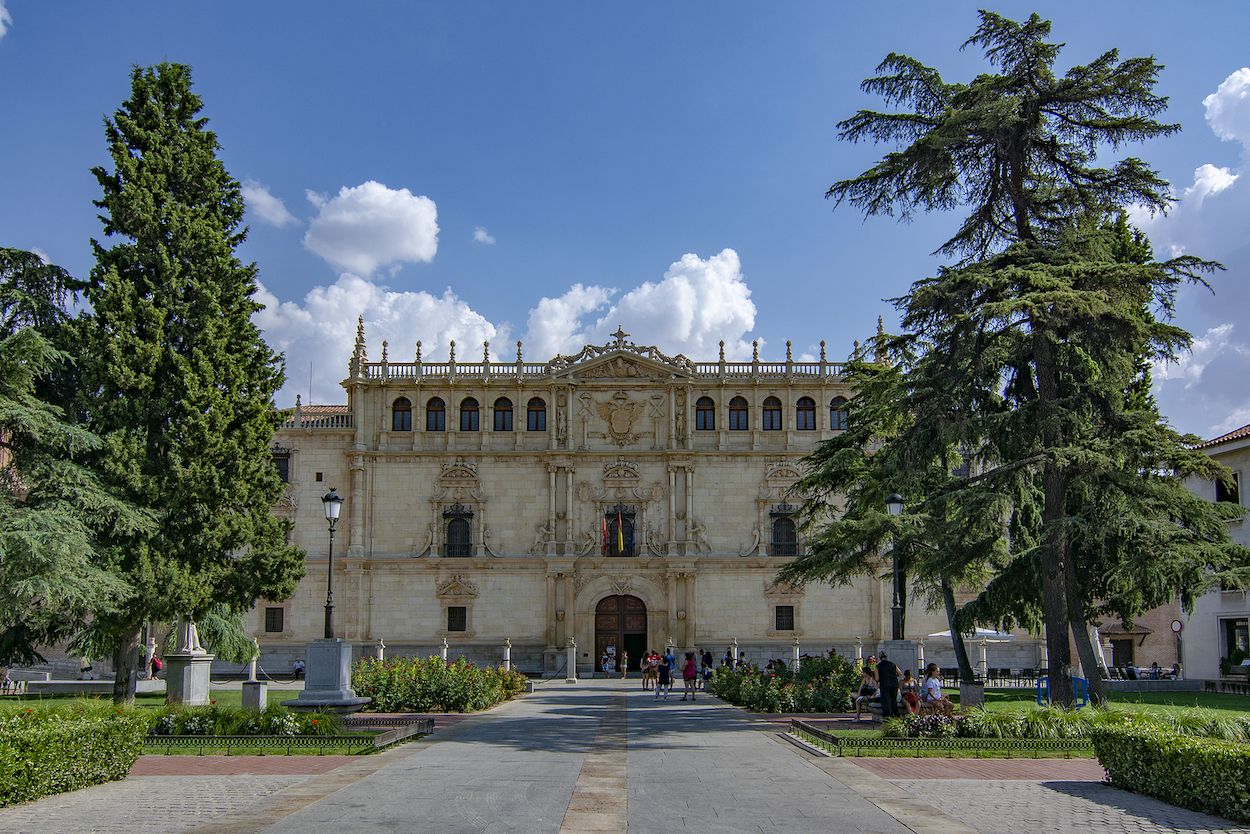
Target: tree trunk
pixel 1080 636
pixel 126 665
pixel 957 639
pixel 1054 533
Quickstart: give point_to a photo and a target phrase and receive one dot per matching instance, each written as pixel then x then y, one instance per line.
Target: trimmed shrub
pixel 414 684
pixel 1207 775
pixel 235 721
pixel 44 752
pixel 821 685
pixel 1058 723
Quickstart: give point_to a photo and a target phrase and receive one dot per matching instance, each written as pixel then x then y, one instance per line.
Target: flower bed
pixel 1057 723
pixel 235 721
pixel 44 752
pixel 821 685
pixel 413 684
pixel 1212 776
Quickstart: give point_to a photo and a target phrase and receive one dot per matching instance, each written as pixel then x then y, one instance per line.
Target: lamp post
pixel 332 502
pixel 894 505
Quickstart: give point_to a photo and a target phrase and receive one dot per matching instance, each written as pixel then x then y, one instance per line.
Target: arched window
pixel 503 414
pixel 805 414
pixel 401 415
pixel 738 411
pixel 705 414
pixel 839 414
pixel 785 536
pixel 435 415
pixel 619 522
pixel 536 415
pixel 469 418
pixel 459 521
pixel 772 414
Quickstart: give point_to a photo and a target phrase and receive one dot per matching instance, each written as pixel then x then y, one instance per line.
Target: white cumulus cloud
pixel 6 19
pixel 480 235
pixel 322 330
pixel 696 303
pixel 1208 179
pixel 1205 392
pixel 264 205
pixel 1228 108
pixel 370 225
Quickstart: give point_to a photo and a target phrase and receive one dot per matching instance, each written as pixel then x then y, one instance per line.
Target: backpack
pixel 158 664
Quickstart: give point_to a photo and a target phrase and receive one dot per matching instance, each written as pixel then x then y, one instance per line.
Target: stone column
pixel 507 654
pixel 795 659
pixel 920 658
pixel 442 650
pixel 571 671
pixel 983 663
pixel 859 653
pixel 356 530
pixel 379 651
pixel 733 651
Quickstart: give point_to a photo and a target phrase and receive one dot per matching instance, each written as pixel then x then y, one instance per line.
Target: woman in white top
pixel 931 693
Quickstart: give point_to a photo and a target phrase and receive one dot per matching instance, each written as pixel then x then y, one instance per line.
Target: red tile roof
pixel 1235 434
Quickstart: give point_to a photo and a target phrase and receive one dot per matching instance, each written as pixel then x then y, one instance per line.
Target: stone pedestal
pixel 327 679
pixel 186 678
pixel 255 696
pixel 903 653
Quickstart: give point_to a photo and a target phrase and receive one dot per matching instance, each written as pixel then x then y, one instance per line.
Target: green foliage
pixel 53 508
pixel 1016 146
pixel 415 684
pixel 1205 775
pixel 44 752
pixel 1058 723
pixel 176 379
pixel 218 720
pixel 822 685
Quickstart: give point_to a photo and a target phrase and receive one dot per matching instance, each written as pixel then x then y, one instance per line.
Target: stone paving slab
pixel 142 805
pixel 1012 807
pixel 1067 770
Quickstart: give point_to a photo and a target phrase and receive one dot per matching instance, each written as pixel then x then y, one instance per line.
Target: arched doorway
pixel 621 622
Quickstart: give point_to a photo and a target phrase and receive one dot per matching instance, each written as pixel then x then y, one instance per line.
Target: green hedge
pixel 44 752
pixel 1207 775
pixel 1056 722
pixel 821 685
pixel 414 684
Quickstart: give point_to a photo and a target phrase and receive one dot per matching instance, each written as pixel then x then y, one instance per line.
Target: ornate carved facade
pixel 491 500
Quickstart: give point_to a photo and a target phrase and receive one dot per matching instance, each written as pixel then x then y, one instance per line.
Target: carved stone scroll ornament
pixel 753 547
pixel 428 547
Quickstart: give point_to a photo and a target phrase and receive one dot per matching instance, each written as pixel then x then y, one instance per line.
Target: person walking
pixel 688 674
pixel 887 681
pixel 665 683
pixel 624 665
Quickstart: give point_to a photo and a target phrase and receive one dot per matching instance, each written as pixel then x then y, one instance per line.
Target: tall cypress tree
pixel 177 381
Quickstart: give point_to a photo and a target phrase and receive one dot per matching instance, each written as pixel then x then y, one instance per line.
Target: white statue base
pixel 186 678
pixel 328 679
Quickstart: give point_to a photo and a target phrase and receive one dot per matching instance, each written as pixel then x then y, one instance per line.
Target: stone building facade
pixel 618 496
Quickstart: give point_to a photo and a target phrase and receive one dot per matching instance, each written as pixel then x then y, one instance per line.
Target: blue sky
pixel 546 171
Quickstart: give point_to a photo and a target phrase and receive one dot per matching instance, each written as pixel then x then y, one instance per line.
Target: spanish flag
pixel 620 534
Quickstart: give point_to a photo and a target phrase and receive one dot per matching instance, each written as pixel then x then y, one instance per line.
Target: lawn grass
pixel 152 700
pixel 1158 703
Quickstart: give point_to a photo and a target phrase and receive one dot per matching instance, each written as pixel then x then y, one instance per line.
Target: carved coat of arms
pixel 621 413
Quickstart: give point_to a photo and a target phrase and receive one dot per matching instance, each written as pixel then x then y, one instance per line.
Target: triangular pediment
pixel 622 365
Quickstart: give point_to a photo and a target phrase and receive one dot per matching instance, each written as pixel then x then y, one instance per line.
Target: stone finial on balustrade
pixel 385 351
pixel 882 357
pixel 356 367
pixel 485 352
pixel 855 346
pixel 755 350
pixel 722 350
pixel 451 352
pixel 298 409
pixel 789 351
pixel 418 350
pixel 823 358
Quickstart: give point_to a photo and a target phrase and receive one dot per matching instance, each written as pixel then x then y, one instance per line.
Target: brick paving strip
pixel 237 765
pixel 599 797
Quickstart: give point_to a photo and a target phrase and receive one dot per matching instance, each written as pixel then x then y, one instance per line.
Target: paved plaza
pixel 602 756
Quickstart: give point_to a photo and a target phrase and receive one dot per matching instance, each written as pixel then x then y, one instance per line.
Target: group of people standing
pixel 660 671
pixel 879 681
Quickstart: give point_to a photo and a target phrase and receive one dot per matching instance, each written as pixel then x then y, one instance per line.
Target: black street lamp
pixel 894 505
pixel 333 503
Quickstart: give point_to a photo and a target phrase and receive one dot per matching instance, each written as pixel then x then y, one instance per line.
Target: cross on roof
pixel 620 336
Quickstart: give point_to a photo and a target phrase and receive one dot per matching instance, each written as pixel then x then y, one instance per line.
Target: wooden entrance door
pixel 620 622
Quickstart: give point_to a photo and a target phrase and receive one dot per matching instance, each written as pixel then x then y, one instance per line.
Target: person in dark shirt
pixel 887 680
